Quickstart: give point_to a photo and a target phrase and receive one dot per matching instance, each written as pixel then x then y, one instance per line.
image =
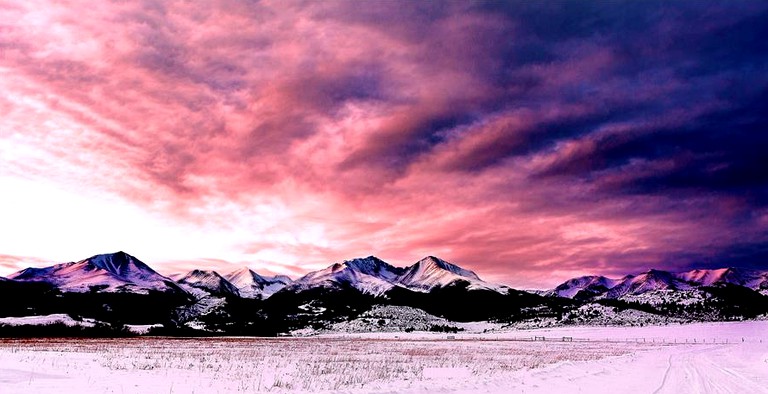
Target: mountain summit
pixel 114 272
pixel 369 275
pixel 209 281
pixel 431 272
pixel 252 285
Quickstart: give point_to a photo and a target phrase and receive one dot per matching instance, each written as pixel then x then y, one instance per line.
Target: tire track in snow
pixel 666 375
pixel 703 370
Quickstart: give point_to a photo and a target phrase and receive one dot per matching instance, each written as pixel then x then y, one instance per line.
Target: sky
pixel 528 141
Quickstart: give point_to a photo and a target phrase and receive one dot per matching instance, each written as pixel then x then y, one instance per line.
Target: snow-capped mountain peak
pixel 375 267
pixel 431 272
pixel 586 285
pixel 431 263
pixel 369 275
pixel 209 281
pixel 244 276
pixel 735 276
pixel 106 272
pixel 285 279
pixel 252 285
pixel 652 280
pixel 120 264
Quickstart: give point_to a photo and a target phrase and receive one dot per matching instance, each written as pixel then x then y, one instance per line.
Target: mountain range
pixel 373 276
pixel 653 281
pixel 119 289
pixel 121 272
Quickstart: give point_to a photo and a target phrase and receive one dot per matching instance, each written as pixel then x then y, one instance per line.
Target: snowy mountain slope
pixel 704 277
pixel 655 285
pixel 373 276
pixel 434 268
pixel 431 272
pixel 588 285
pixel 369 275
pixel 209 281
pixel 252 285
pixel 115 272
pixel 752 279
pixel 652 280
pixel 376 267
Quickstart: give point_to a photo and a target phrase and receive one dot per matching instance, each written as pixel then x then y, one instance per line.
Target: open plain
pixel 698 358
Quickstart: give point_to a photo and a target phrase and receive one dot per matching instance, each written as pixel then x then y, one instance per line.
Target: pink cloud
pixel 329 132
pixel 10 264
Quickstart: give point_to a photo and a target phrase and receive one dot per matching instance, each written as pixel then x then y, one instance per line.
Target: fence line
pixel 567 338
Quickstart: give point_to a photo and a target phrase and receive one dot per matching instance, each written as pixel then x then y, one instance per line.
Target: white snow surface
pixel 619 360
pixel 141 329
pixel 56 318
pixel 116 272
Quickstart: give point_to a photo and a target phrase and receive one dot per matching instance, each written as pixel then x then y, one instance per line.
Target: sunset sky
pixel 528 141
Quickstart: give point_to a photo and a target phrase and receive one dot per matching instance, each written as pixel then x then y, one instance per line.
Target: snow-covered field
pixel 598 360
pixel 59 318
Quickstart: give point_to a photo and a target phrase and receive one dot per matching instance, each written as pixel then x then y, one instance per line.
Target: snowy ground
pixel 599 359
pixel 46 319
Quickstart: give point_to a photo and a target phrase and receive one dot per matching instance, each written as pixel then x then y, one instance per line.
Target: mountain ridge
pixel 370 275
pixel 114 271
pixel 600 287
pixel 374 276
pixel 120 289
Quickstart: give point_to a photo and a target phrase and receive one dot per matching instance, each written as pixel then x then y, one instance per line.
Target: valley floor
pixel 725 358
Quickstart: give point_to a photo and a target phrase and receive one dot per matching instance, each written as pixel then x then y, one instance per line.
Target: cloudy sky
pixel 528 141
